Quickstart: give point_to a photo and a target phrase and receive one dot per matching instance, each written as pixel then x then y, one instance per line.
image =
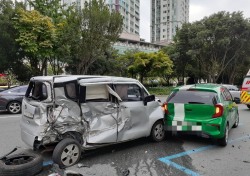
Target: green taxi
pixel 206 109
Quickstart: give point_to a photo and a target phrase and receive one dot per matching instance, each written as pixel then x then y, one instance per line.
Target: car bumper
pixel 213 128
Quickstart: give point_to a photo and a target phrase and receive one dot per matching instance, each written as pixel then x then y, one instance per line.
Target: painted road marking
pixel 47 163
pixel 9 116
pixel 167 159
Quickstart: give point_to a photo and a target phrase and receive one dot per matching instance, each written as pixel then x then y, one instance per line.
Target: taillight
pixel 218 111
pixel 165 107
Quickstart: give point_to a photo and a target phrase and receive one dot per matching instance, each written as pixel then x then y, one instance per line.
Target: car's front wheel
pixel 248 106
pixel 157 131
pixel 14 107
pixel 67 152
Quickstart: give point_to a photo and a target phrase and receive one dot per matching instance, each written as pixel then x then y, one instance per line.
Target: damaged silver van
pixel 77 113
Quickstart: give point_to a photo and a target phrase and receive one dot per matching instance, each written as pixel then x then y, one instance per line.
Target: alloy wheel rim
pixel 70 154
pixel 237 121
pixel 159 131
pixel 226 134
pixel 14 107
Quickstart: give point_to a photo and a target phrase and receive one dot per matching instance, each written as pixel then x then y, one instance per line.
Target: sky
pixel 198 9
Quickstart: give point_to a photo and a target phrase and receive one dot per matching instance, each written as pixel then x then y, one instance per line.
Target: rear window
pixel 37 91
pixel 193 97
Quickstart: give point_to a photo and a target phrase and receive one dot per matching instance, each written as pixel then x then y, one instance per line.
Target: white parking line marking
pixel 9 116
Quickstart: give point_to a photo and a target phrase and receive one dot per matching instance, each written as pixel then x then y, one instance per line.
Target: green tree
pixel 11 58
pixel 150 64
pixel 124 61
pixel 58 14
pixel 36 36
pixel 7 40
pixel 95 29
pixel 215 48
pixel 220 45
pixel 106 65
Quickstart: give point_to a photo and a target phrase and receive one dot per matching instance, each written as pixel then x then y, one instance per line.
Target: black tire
pixel 71 148
pixel 248 106
pixel 14 107
pixel 23 164
pixel 237 121
pixel 223 141
pixel 157 131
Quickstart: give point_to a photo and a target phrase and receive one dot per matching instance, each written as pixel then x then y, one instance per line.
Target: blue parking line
pixel 47 163
pixel 179 167
pixel 167 159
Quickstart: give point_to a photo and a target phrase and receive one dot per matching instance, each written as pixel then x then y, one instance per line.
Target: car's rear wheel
pixel 14 107
pixel 236 121
pixel 157 131
pixel 223 141
pixel 67 152
pixel 248 106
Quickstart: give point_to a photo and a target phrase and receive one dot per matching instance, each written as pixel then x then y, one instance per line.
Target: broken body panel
pixel 94 110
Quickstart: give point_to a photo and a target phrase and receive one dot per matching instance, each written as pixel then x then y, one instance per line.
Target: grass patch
pixel 160 90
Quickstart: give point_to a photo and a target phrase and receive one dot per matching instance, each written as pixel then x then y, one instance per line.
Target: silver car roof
pixel 83 78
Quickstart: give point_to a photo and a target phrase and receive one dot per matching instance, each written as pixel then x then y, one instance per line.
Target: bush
pixel 160 90
pixel 3 81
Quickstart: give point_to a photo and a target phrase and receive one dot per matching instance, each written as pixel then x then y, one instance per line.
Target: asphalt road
pixel 177 156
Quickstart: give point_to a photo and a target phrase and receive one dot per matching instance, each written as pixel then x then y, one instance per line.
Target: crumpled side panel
pixel 102 121
pixel 64 118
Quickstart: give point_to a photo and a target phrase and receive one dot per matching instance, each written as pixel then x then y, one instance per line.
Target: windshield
pixel 193 97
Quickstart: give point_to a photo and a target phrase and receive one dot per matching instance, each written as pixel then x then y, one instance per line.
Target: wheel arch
pixel 73 135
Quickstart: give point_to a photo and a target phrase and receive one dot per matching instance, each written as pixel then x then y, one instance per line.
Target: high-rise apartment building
pixel 166 17
pixel 130 11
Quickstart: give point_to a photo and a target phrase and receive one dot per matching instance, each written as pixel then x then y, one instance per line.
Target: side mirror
pixel 148 99
pixel 236 100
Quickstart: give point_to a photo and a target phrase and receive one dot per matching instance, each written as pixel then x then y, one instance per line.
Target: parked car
pixel 245 90
pixel 77 113
pixel 208 110
pixel 234 90
pixel 11 99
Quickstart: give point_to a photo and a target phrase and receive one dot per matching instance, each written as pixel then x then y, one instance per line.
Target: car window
pixel 145 93
pixel 193 97
pixel 37 91
pixel 226 95
pixel 129 92
pixel 97 93
pixel 70 90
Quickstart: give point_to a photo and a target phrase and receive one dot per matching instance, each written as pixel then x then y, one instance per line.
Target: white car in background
pixel 234 90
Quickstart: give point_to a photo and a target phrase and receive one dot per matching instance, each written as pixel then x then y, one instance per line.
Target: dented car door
pixel 133 120
pixel 100 111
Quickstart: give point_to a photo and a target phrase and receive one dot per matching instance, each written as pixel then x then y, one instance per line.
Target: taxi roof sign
pixel 248 73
